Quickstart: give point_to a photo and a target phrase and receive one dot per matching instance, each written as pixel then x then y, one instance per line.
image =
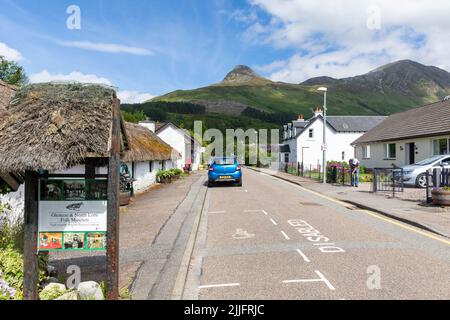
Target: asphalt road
pixel 274 240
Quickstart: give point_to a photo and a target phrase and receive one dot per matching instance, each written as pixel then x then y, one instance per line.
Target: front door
pixel 411 149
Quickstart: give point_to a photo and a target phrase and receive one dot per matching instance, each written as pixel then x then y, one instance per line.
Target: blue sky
pixel 151 47
pixel 190 43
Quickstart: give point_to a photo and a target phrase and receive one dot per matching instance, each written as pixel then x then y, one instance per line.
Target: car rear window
pixel 224 161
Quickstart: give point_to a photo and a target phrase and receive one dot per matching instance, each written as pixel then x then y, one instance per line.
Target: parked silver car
pixel 415 174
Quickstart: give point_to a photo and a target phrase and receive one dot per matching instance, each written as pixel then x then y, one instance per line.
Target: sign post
pixel 30 254
pixel 112 253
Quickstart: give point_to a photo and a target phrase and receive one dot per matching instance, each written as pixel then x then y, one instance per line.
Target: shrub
pixel 176 171
pixel 11 267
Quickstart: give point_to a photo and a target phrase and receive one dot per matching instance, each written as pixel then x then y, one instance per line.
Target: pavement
pixel 271 239
pixel 408 207
pixel 144 244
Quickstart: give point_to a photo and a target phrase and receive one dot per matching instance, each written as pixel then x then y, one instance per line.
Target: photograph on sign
pixel 50 240
pixel 74 240
pixel 96 240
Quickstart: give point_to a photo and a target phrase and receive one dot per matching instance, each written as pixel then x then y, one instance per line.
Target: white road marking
pixel 220 285
pixel 373 214
pixel 285 235
pixel 321 279
pixel 273 221
pixel 242 234
pixel 212 212
pixel 251 211
pixel 325 280
pixel 303 255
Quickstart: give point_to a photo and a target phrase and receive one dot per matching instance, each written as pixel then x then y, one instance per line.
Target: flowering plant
pixel 6 292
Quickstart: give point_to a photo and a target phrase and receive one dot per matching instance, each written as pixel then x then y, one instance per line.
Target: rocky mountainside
pixel 388 89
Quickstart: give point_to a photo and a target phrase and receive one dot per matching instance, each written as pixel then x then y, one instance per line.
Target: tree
pixel 12 73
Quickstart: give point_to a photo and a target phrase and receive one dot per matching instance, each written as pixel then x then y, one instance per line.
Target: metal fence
pixel 388 180
pixel 298 169
pixel 339 175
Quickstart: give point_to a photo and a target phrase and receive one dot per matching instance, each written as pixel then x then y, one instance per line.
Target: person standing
pixel 354 169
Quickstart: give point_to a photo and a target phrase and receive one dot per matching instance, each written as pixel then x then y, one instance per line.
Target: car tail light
pixel 238 168
pixel 211 169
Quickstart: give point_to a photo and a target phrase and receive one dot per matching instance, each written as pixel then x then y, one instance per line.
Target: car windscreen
pixel 224 161
pixel 428 161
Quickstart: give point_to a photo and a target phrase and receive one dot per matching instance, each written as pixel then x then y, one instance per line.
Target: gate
pixel 388 180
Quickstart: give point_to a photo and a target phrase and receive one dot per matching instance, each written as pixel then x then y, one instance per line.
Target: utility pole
pixel 324 145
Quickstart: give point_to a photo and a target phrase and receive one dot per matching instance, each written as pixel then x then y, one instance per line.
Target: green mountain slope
pixel 389 89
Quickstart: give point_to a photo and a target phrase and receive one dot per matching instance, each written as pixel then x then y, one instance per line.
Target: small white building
pixel 303 139
pixel 179 139
pixel 407 137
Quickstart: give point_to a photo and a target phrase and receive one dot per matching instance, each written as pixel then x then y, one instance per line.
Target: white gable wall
pixel 337 143
pixel 175 139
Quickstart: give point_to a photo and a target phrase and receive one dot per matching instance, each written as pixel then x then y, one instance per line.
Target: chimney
pixel 149 124
pixel 318 112
pixel 301 118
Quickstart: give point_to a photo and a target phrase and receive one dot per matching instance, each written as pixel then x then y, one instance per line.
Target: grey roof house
pixel 407 137
pixel 303 139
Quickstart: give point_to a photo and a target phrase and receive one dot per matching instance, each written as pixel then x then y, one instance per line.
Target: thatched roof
pixel 144 145
pixel 6 93
pixel 55 126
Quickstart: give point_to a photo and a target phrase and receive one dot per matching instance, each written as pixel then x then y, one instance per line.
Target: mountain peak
pixel 241 73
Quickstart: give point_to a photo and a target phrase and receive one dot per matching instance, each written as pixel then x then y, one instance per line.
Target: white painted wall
pixel 338 143
pixel 424 150
pixel 142 175
pixel 175 139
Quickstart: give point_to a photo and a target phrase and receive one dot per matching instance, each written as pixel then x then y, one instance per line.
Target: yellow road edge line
pixel 376 215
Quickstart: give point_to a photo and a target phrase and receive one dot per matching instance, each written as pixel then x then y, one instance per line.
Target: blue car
pixel 224 169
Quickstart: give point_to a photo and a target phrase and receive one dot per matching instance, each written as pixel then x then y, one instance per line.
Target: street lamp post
pixel 324 146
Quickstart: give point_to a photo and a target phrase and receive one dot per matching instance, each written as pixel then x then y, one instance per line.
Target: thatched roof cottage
pixel 146 155
pixel 55 126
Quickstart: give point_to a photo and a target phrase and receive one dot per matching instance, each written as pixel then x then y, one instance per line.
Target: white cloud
pixel 133 96
pixel 45 76
pixel 107 47
pixel 333 38
pixel 10 53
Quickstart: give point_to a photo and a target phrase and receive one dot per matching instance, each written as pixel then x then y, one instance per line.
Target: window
pixel 366 152
pixel 343 155
pixel 391 151
pixel 151 166
pixel 440 147
pixel 164 165
pixel 286 158
pixel 311 133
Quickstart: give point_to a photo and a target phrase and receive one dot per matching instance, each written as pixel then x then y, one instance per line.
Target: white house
pixel 407 137
pixel 303 139
pixel 179 139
